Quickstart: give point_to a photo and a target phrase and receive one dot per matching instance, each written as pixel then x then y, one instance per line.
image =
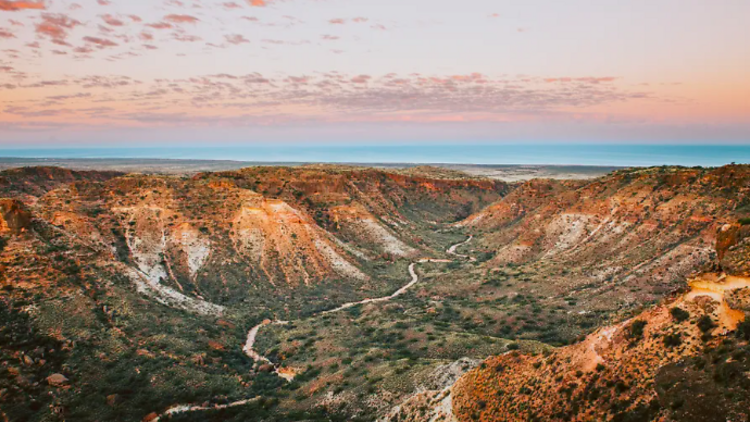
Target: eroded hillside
pixel 117 289
pixel 343 293
pixel 686 359
pixel 583 250
pixel 216 236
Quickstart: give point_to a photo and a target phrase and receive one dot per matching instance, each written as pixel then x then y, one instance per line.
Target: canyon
pixel 326 292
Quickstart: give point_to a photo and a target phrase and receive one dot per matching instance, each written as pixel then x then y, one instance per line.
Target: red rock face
pixel 614 371
pixel 14 217
pixel 36 181
pixel 733 248
pixel 215 234
pixel 661 224
pixel 298 237
pixel 649 227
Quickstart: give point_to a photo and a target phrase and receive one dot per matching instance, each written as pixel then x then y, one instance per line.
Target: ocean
pixel 539 154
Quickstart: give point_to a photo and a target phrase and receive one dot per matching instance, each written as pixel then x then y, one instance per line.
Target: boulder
pixel 57 380
pixel 265 368
pixel 150 417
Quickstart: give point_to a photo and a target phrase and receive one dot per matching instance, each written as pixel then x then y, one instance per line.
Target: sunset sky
pixel 238 72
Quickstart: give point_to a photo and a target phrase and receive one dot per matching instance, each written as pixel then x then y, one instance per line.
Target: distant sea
pixel 552 154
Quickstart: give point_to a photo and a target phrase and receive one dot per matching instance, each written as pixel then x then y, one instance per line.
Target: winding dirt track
pixel 253 333
pixel 183 408
pixel 399 292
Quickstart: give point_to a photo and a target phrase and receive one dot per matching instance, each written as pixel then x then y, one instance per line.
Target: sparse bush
pixel 706 324
pixel 636 329
pixel 743 330
pixel 679 314
pixel 672 340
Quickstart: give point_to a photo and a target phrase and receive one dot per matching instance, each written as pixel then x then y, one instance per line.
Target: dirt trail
pixel 452 249
pixel 252 335
pixel 414 279
pixel 399 292
pixel 287 373
pixel 183 408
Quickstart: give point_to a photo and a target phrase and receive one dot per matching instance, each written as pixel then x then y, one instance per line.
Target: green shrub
pixel 672 340
pixel 743 330
pixel 636 328
pixel 705 323
pixel 679 314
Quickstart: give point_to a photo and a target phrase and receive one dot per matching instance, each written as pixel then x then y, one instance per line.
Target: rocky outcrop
pixel 36 181
pixel 733 248
pixel 636 233
pixel 14 217
pixel 433 401
pixel 609 374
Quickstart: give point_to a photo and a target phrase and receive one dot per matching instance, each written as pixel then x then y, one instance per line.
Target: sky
pixel 121 73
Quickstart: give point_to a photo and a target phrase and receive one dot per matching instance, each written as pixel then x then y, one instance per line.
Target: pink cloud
pixel 257 3
pixel 587 79
pixel 83 50
pixel 298 80
pixel 56 26
pixel 6 34
pixel 185 37
pixel 341 21
pixel 361 79
pixel 236 39
pixel 12 6
pixel 181 19
pixel 336 96
pixel 100 42
pixel 159 25
pixel 111 20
